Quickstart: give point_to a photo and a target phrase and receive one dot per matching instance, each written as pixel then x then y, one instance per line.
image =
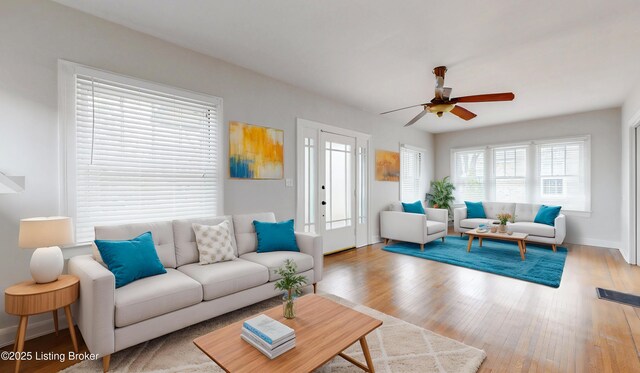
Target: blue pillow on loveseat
pixel 275 236
pixel 475 210
pixel 547 215
pixel 131 260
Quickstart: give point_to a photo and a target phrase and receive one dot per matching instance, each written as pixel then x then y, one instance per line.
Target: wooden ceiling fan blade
pixel 417 118
pixel 506 96
pixel 462 113
pixel 408 107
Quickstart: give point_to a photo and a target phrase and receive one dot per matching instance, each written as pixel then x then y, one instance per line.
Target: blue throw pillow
pixel 131 260
pixel 414 208
pixel 475 210
pixel 547 215
pixel 275 236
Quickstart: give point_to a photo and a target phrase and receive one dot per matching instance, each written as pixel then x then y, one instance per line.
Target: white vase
pixel 46 264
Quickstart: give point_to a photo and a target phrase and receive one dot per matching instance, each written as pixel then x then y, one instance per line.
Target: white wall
pixel 630 119
pixel 35 34
pixel 602 228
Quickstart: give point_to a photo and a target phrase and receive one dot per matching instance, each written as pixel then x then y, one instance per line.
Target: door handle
pixel 323 203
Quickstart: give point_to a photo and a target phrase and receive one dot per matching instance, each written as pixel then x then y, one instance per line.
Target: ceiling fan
pixel 443 103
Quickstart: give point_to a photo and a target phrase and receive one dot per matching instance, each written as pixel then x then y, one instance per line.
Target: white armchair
pixel 395 224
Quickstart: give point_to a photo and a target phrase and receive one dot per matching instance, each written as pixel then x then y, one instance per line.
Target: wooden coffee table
pixel 515 237
pixel 323 328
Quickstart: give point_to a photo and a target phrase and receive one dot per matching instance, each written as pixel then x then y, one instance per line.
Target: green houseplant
pixel 441 194
pixel 292 284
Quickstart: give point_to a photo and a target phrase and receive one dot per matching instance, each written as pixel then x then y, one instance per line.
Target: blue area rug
pixel 541 265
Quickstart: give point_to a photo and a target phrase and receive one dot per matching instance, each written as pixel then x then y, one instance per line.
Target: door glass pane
pixel 309 185
pixel 362 185
pixel 338 185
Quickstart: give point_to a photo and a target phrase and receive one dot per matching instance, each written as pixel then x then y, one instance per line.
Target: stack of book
pixel 269 336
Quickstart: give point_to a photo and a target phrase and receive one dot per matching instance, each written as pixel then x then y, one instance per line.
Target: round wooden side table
pixel 29 298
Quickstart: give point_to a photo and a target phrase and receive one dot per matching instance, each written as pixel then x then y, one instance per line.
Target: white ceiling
pixel 558 57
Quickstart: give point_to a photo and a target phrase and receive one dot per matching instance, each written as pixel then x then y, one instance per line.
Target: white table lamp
pixel 45 235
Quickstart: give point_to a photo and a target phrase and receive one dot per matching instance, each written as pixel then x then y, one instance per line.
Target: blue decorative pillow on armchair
pixel 414 208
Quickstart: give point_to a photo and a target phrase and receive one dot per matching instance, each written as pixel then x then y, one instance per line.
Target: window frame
pixel 533 178
pixel 67 72
pixel 420 176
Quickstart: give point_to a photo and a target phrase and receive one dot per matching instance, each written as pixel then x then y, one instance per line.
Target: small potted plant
pixel 503 218
pixel 292 284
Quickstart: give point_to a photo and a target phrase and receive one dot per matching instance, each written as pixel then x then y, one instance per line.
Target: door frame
pixel 634 195
pixel 362 139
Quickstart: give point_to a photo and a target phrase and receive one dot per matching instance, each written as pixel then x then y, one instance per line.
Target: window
pixel 410 174
pixel 469 175
pixel 510 174
pixel 309 184
pixel 139 152
pixel 562 176
pixel 546 172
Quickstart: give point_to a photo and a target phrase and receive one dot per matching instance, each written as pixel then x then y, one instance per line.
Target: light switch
pixel 288 183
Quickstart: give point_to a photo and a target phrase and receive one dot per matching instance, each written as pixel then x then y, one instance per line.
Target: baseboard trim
pixel 34 330
pixel 595 242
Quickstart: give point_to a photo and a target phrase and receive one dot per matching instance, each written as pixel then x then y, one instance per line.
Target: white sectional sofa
pixel 113 319
pixel 395 224
pixel 524 213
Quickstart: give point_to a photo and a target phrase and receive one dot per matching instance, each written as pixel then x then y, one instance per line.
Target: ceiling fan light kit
pixel 443 103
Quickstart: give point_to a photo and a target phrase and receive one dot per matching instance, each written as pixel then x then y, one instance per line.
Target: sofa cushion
pixel 130 260
pixel 475 210
pixel 492 209
pixel 526 211
pixel 547 215
pixel 224 278
pixel 246 238
pixel 534 229
pixel 474 223
pixel 185 239
pixel 214 242
pixel 275 259
pixel 154 296
pixel 275 236
pixel 395 206
pixel 435 227
pixel 162 232
pixel 413 208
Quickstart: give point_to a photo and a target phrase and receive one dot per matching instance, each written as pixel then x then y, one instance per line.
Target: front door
pixel 337 190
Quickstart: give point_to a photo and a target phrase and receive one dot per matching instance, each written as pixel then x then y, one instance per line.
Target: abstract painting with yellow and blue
pixel 255 152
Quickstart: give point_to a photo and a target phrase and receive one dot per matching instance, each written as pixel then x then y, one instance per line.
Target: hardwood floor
pixel 523 327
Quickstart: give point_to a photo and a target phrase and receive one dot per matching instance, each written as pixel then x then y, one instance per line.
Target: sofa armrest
pixel 459 214
pixel 441 215
pixel 96 305
pixel 403 226
pixel 560 223
pixel 311 244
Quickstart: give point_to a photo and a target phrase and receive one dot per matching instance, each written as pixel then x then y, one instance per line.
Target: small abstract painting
pixel 387 166
pixel 255 152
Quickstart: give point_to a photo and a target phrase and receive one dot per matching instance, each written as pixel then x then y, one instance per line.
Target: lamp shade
pixel 45 232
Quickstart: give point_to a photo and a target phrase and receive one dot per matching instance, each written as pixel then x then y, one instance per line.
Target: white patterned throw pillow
pixel 214 242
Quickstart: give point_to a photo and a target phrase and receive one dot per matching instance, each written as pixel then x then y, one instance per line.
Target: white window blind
pixel 141 155
pixel 410 174
pixel 553 172
pixel 469 175
pixel 562 176
pixel 509 174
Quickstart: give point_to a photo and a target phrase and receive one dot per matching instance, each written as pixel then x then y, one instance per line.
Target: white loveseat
pixel 524 214
pixel 395 224
pixel 113 319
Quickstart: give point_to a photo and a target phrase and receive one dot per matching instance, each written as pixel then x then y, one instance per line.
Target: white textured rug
pixel 396 346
